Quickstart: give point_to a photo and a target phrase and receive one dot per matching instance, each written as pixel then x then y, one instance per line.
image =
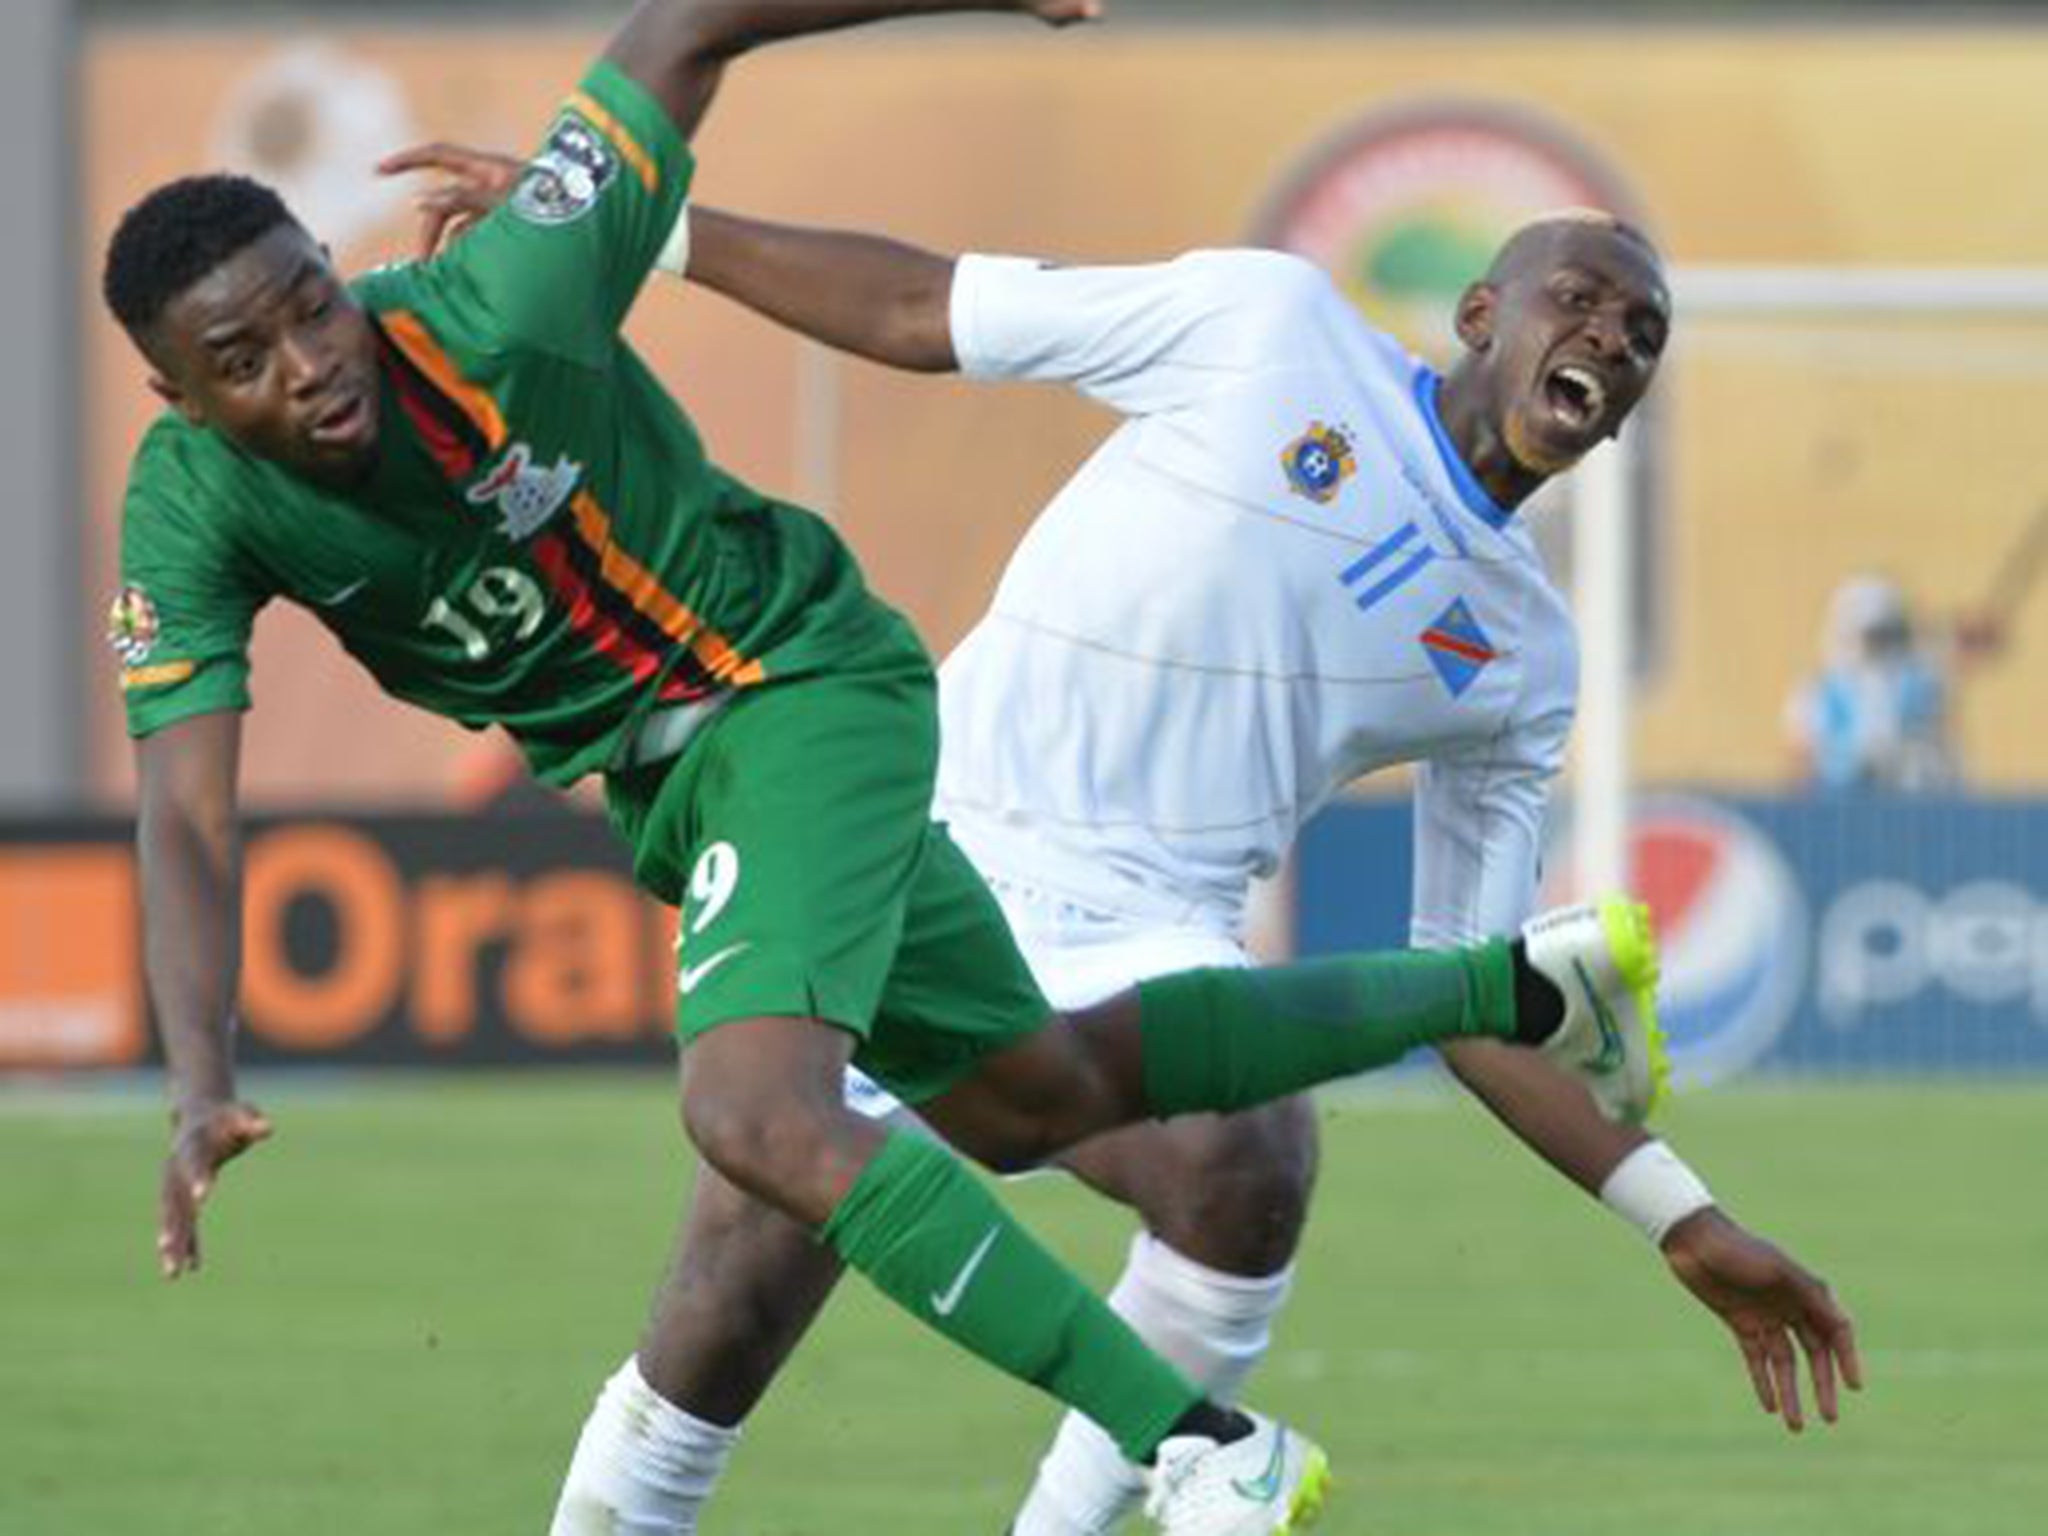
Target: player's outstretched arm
pixel 1766 1299
pixel 188 844
pixel 1546 1107
pixel 678 49
pixel 874 297
pixel 877 298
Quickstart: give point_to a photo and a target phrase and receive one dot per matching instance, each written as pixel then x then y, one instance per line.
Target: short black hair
pixel 178 234
pixel 1545 227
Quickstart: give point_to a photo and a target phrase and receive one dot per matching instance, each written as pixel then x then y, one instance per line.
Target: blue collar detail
pixel 1470 491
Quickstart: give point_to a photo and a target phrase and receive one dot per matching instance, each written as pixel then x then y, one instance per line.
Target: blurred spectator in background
pixel 1876 715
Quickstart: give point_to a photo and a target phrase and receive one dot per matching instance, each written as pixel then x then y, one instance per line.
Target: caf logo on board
pixel 1406 205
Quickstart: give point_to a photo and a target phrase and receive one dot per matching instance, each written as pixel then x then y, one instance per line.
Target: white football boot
pixel 1602 955
pixel 1270 1483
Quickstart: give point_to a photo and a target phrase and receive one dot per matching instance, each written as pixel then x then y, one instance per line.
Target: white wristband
pixel 1653 1190
pixel 675 256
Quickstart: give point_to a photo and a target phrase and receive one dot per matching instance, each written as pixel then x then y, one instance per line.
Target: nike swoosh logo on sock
pixel 943 1302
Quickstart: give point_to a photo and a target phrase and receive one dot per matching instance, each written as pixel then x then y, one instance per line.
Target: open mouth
pixel 343 423
pixel 1576 396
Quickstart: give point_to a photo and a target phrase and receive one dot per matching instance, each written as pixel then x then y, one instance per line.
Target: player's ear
pixel 1477 307
pixel 176 398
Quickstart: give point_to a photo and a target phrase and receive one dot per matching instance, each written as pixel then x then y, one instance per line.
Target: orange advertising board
pixel 69 965
pixel 407 940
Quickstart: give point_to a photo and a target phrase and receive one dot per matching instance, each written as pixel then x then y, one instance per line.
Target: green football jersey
pixel 543 544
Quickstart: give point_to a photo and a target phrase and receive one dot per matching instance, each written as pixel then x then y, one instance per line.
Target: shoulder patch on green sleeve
pixel 132 625
pixel 565 180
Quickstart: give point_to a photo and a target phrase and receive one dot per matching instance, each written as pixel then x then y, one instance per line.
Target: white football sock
pixel 1214 1326
pixel 642 1467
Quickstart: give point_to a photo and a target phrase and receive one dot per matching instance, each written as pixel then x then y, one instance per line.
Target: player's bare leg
pixel 1223 1199
pixel 1227 1191
pixel 716 1336
pixel 743 1284
pixel 665 1423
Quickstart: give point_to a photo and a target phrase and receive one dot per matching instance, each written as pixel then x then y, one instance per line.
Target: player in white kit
pixel 1278 575
pixel 1294 562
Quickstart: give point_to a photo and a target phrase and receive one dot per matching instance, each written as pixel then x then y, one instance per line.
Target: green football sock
pixel 1227 1039
pixel 934 1240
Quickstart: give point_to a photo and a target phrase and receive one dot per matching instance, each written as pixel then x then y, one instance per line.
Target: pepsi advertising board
pixel 1847 934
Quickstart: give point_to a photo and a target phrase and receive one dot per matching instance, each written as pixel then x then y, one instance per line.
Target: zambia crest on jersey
pixel 1319 462
pixel 1457 647
pixel 132 626
pixel 564 181
pixel 526 494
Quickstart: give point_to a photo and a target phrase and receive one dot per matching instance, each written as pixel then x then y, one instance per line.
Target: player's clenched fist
pixel 206 1136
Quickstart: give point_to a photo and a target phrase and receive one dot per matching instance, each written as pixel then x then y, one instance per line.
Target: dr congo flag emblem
pixel 1457 647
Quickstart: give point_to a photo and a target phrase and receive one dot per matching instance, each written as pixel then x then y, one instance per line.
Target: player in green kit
pixel 464 472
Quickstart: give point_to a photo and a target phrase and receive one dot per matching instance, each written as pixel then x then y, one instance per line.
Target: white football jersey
pixel 1276 575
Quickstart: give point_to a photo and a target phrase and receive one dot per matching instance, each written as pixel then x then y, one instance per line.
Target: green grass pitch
pixel 411 1295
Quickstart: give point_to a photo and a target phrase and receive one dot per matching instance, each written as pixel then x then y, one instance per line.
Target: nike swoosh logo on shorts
pixel 943 1302
pixel 690 977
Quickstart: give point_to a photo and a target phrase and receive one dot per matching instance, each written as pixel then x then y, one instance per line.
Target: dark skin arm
pixel 1765 1298
pixel 678 49
pixel 1545 1107
pixel 877 298
pixel 188 845
pixel 874 297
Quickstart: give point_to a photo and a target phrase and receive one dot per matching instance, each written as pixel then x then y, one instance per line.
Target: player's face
pixel 1577 334
pixel 270 350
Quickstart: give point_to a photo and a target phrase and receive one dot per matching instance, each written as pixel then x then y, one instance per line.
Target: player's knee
pixel 767 1145
pixel 718 1129
pixel 1271 1192
pixel 1239 1198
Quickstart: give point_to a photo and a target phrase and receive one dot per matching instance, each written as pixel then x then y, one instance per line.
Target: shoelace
pixel 1172 1475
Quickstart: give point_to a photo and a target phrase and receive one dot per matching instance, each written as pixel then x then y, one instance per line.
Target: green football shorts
pixel 795 834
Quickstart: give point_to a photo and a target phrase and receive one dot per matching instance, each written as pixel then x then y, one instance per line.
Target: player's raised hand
pixel 1065 13
pixel 472 183
pixel 1768 1301
pixel 207 1136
